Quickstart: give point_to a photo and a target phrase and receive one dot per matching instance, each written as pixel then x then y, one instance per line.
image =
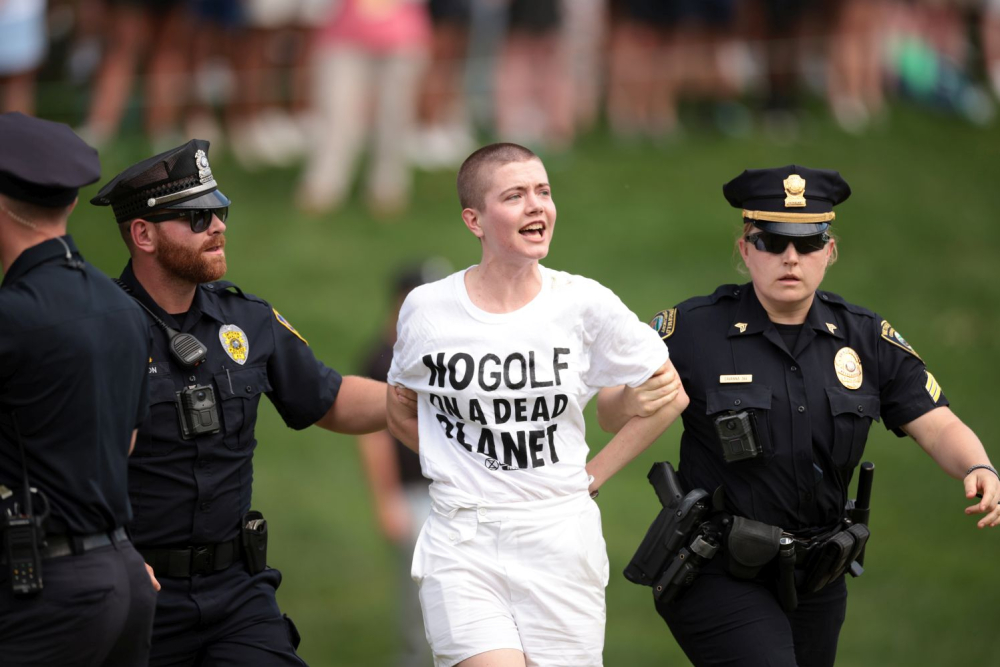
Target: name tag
pixel 735 379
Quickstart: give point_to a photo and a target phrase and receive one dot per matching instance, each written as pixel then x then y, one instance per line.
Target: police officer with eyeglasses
pixel 73 350
pixel 785 381
pixel 216 350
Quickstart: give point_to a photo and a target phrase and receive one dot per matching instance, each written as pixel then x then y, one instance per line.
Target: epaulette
pixel 226 287
pixel 220 286
pixel 837 300
pixel 722 292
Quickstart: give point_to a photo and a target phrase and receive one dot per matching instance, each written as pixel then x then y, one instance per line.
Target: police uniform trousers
pixel 226 619
pixel 721 620
pixel 95 609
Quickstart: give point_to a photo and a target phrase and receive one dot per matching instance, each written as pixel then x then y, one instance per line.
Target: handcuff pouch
pixel 750 546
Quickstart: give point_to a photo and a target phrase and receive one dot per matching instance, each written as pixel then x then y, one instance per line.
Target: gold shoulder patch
pixel 894 337
pixel 285 323
pixel 665 322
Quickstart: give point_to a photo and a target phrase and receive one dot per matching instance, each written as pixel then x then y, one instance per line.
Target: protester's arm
pixel 633 438
pixel 359 408
pixel 401 413
pixel 381 466
pixel 955 448
pixel 617 405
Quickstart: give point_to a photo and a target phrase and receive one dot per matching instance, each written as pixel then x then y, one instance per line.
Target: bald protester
pixel 504 356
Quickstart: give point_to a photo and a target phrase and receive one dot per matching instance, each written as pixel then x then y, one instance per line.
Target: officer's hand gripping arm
pixel 638 434
pixel 616 405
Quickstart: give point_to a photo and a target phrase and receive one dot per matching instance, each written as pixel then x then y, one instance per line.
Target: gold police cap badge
pixel 847 363
pixel 235 343
pixel 795 188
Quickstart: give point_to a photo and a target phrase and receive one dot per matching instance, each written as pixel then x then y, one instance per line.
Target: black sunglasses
pixel 200 219
pixel 776 243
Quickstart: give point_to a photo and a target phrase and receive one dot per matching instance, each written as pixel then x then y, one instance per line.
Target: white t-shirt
pixel 501 396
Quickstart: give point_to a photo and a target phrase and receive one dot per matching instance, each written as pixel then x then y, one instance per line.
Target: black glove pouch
pixel 253 530
pixel 750 546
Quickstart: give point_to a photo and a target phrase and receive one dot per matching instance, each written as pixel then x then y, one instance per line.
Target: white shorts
pixel 528 576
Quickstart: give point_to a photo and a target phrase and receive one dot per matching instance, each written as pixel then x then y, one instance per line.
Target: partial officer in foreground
pixel 216 350
pixel 73 350
pixel 785 381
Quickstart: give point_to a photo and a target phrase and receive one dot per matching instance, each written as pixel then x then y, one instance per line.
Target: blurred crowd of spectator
pixel 412 82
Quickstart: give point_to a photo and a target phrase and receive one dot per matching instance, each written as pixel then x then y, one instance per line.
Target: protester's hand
pixel 152 577
pixel 654 393
pixel 982 482
pixel 407 398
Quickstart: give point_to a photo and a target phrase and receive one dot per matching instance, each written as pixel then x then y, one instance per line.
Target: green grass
pixel 919 245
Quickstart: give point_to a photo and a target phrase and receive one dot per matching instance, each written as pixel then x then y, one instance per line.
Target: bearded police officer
pixel 785 381
pixel 73 350
pixel 216 350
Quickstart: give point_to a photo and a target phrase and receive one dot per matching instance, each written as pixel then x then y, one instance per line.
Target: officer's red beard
pixel 193 264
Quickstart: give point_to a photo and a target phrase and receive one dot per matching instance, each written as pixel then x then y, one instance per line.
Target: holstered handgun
pixel 671 554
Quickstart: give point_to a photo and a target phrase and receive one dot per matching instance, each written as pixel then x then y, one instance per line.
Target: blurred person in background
pixel 367 69
pixel 216 54
pixel 642 95
pixel 990 31
pixel 787 32
pixel 443 136
pixel 23 45
pixel 928 59
pixel 855 63
pixel 584 28
pixel 154 31
pixel 399 489
pixel 703 40
pixel 784 381
pixel 274 124
pixel 533 93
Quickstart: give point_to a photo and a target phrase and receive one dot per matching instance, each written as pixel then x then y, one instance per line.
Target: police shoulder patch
pixel 665 322
pixel 285 323
pixel 891 335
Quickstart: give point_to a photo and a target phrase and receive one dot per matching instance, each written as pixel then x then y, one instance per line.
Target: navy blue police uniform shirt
pixel 195 491
pixel 73 351
pixel 814 399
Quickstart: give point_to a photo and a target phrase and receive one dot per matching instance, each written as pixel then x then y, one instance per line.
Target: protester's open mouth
pixel 533 230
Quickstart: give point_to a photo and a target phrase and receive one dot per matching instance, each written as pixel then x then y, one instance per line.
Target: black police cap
pixel 180 178
pixel 792 200
pixel 42 162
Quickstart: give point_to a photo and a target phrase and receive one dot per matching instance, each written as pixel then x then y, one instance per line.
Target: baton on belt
pixel 862 504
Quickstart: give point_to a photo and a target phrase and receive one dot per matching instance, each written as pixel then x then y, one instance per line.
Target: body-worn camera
pixel 738 436
pixel 198 411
